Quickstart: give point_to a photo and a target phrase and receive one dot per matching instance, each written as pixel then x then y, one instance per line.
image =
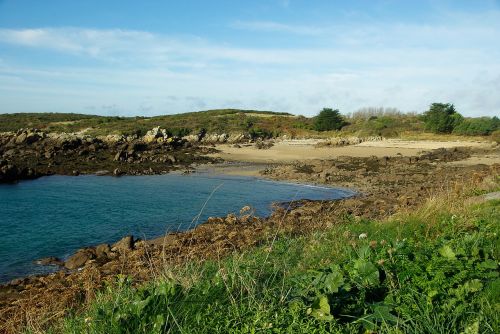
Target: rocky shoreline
pixel 388 185
pixel 31 153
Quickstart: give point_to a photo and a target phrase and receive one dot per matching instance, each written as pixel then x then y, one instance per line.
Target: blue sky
pixel 164 57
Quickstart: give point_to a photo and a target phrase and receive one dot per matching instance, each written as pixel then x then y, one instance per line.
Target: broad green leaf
pixel 321 309
pixel 474 286
pixel 367 272
pixel 334 281
pixel 447 252
pixel 488 264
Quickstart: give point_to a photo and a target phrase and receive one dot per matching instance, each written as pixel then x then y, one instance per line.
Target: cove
pixel 56 215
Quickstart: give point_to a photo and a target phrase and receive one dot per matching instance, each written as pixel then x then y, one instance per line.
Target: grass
pixel 252 122
pixel 433 270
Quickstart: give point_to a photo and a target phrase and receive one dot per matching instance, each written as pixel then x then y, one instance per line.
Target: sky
pixel 126 58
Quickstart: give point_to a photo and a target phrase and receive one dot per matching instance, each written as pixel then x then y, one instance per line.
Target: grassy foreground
pixel 434 270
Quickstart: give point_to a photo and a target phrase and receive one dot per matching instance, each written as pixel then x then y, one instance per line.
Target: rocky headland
pixel 31 153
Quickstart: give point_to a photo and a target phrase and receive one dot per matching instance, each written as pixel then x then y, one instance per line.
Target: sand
pixel 292 150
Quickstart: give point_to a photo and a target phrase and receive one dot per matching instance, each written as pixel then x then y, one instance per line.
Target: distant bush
pixel 482 126
pixel 329 119
pixel 495 136
pixel 441 118
pixel 369 112
pixel 256 133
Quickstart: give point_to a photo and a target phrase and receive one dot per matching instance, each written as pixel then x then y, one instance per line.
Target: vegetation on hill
pixel 328 119
pixel 387 122
pixel 443 118
pixel 430 271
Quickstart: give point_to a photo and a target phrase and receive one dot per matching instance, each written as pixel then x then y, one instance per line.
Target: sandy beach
pixel 288 151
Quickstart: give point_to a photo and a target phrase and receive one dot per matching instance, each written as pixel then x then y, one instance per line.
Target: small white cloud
pixel 269 26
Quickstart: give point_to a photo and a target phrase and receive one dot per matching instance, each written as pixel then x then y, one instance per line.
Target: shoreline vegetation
pixel 313 266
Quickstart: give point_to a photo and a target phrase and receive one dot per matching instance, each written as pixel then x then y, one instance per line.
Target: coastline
pixel 387 185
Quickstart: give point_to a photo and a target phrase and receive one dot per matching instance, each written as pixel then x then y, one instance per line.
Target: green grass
pixel 264 124
pixel 431 271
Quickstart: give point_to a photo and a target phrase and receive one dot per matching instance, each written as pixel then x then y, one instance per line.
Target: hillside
pixel 257 124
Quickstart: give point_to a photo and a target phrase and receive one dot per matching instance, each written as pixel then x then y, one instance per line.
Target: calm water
pixel 56 215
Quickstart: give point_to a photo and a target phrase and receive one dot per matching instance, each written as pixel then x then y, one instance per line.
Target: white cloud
pixel 136 72
pixel 269 26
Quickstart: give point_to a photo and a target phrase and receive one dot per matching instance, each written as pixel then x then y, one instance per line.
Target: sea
pixel 57 215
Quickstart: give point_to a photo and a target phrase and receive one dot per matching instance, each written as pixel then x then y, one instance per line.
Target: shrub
pixel 441 118
pixel 482 126
pixel 328 119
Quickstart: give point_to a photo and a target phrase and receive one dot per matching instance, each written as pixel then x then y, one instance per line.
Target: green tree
pixel 441 118
pixel 482 126
pixel 328 119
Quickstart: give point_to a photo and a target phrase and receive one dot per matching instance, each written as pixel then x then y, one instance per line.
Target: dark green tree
pixel 328 119
pixel 441 118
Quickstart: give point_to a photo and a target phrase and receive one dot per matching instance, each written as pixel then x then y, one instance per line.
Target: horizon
pixel 122 58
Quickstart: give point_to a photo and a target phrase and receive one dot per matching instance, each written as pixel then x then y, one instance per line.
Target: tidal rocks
pixel 51 260
pixel 30 153
pixel 344 141
pixel 124 245
pixel 117 172
pixel 80 258
pixel 103 251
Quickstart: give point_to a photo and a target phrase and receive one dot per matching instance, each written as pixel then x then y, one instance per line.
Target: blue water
pixel 56 215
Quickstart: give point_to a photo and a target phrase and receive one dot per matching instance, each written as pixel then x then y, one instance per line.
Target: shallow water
pixel 56 215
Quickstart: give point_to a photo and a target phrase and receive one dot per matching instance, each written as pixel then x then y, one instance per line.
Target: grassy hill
pixel 219 121
pixel 266 124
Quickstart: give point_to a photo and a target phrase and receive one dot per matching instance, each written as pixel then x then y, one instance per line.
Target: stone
pixel 21 138
pixel 103 251
pixel 124 245
pixel 118 156
pixel 79 259
pixel 51 260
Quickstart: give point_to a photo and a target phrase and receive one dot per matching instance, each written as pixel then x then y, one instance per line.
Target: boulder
pixel 119 156
pixel 80 258
pixel 103 251
pixel 124 245
pixel 21 138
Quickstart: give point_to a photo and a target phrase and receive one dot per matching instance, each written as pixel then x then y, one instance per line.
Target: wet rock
pixel 117 172
pixel 51 260
pixel 80 258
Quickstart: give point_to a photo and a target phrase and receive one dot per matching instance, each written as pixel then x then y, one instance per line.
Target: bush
pixel 495 136
pixel 483 126
pixel 441 118
pixel 328 119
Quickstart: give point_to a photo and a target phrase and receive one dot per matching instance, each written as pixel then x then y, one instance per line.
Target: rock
pixel 117 172
pixel 119 155
pixel 32 137
pixel 103 251
pixel 171 158
pixel 124 245
pixel 79 258
pixel 21 138
pixel 51 260
pixel 154 133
